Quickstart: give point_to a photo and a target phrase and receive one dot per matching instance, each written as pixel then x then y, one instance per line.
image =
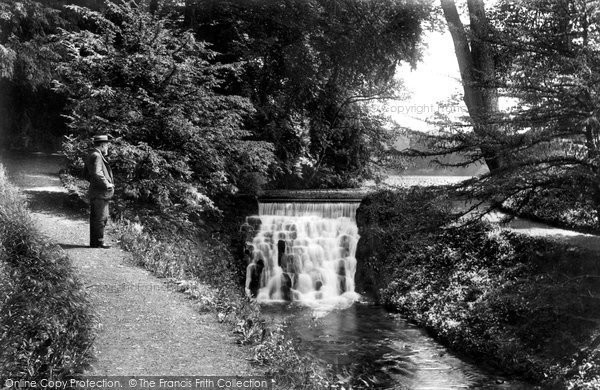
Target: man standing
pixel 101 190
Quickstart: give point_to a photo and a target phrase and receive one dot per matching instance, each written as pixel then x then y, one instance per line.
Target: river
pixel 366 345
pixel 306 251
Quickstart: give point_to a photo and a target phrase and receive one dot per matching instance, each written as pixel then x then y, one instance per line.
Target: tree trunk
pixel 477 71
pixel 592 134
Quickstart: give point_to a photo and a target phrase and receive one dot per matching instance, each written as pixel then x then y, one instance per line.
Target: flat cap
pixel 100 138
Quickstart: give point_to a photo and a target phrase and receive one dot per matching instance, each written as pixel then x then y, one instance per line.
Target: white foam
pixel 318 263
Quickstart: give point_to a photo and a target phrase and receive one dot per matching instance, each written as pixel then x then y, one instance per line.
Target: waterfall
pixel 302 251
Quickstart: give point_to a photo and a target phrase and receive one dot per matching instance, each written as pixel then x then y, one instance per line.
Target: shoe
pixel 101 246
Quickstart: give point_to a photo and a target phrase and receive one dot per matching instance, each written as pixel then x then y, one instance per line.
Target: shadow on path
pixel 37 175
pixel 55 202
pixel 73 246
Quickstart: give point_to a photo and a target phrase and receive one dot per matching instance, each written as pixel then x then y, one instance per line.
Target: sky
pixel 435 80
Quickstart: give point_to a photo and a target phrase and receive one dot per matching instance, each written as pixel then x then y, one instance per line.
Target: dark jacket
pixel 100 176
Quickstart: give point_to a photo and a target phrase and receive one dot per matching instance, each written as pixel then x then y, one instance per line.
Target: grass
pixel 46 323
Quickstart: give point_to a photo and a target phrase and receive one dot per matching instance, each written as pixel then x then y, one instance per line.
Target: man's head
pixel 101 142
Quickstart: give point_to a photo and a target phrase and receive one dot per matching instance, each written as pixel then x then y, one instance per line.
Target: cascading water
pixel 302 251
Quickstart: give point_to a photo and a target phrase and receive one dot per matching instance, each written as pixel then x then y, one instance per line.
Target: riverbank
pixel 526 305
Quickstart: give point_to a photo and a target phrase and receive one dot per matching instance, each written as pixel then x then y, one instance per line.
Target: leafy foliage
pixel 562 207
pixel 46 321
pixel 27 103
pixel 307 72
pixel 310 69
pixel 178 141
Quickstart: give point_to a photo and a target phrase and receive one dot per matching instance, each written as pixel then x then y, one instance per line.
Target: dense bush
pixel 179 257
pixel 526 304
pixel 393 220
pixel 241 91
pixel 46 324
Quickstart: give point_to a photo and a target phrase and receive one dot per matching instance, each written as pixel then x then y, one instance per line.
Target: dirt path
pixel 144 327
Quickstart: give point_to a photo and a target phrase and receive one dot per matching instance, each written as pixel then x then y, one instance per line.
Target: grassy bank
pixel 529 306
pixel 46 324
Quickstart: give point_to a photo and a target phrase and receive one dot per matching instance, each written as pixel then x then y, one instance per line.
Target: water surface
pixel 373 349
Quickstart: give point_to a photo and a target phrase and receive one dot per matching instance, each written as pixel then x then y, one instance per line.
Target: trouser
pixel 98 220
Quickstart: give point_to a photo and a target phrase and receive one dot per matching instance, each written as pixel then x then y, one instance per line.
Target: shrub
pixel 387 221
pixel 46 324
pixel 290 370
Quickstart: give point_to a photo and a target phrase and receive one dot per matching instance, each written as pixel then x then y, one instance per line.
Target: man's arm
pixel 97 173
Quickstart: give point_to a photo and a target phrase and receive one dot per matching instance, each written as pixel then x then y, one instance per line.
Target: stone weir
pixel 301 246
pixel 304 196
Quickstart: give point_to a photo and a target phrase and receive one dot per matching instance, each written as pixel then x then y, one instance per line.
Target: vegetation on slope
pixel 528 305
pixel 46 323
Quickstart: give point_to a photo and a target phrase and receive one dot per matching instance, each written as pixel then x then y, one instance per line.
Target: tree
pixel 476 62
pixel 545 56
pixel 27 102
pixel 30 110
pixel 554 53
pixel 309 68
pixel 179 142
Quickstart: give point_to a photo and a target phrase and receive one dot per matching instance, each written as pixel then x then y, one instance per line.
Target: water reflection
pixel 375 349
